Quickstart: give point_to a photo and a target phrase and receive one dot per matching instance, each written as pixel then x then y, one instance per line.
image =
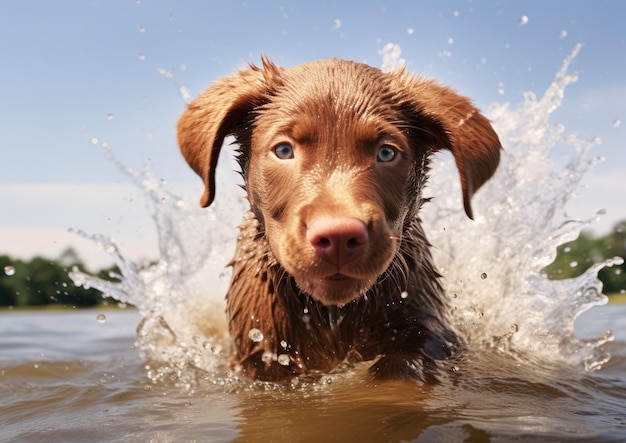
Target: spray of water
pixel 493 266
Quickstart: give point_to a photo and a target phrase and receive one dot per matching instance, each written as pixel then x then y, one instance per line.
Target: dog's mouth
pixel 337 277
pixel 335 289
pixel 335 280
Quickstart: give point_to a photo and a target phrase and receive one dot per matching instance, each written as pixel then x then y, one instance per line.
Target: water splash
pixel 181 295
pixel 391 57
pixel 493 267
pixel 521 222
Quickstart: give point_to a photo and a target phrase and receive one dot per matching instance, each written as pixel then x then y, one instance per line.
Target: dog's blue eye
pixel 386 153
pixel 284 151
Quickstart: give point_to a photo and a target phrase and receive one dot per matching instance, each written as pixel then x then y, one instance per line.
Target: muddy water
pixel 69 376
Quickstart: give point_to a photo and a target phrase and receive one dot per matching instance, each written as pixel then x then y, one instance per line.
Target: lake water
pixel 68 376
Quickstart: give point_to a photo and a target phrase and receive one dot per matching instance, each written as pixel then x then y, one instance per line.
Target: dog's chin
pixel 334 290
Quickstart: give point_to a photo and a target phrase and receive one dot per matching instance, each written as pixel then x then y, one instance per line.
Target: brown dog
pixel 331 262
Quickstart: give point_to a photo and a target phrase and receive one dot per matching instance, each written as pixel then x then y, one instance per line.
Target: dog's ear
pixel 455 124
pixel 217 113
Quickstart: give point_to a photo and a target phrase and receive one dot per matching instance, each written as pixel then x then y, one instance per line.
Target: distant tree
pixel 9 287
pixel 41 281
pixel 576 257
pixel 69 257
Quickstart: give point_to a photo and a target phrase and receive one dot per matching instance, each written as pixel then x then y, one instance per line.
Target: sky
pixel 75 75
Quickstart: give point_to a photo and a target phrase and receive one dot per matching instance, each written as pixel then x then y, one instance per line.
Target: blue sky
pixel 74 71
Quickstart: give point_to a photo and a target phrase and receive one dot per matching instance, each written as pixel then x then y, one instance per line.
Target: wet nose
pixel 338 240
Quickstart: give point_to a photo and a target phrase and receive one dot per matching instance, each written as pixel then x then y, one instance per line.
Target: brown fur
pixel 377 296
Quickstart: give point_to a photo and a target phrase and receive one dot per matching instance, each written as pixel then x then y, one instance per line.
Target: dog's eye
pixel 386 153
pixel 284 151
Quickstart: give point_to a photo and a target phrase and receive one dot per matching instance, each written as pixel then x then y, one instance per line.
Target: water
pixel 529 373
pixel 67 377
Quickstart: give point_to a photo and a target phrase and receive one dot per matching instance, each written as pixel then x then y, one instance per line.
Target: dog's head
pixel 334 155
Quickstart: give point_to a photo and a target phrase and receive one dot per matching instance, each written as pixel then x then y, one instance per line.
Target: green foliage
pixel 576 257
pixel 41 281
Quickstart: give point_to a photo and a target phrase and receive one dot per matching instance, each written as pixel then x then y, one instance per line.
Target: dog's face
pixel 334 154
pixel 331 162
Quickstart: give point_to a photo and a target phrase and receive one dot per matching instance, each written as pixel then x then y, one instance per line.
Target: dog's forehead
pixel 317 97
pixel 341 81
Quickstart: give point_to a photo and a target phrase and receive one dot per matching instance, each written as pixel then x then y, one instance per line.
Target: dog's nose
pixel 338 240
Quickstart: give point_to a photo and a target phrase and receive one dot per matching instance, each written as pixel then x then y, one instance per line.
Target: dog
pixel 332 266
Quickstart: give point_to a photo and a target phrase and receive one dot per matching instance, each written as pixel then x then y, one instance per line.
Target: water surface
pixel 64 376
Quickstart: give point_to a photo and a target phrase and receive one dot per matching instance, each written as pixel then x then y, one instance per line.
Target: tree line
pixel 41 281
pixel 576 257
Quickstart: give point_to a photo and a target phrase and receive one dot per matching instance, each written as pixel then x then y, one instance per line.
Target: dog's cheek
pixel 394 191
pixel 278 190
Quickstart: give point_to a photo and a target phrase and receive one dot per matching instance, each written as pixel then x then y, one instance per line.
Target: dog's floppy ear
pixel 216 113
pixel 456 125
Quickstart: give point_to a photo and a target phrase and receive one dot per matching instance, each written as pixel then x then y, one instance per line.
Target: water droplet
pixel 94 141
pixel 101 318
pixel 523 20
pixel 404 294
pixel 283 359
pixel 9 271
pixel 483 275
pixel 255 335
pixel 109 116
pixel 450 40
pixel 567 249
pixel 184 92
pixel 616 123
pixel 337 24
pixel 563 33
pixel 573 264
pixel 165 73
pixel 283 343
pixel 410 31
pixel 142 29
pixel 141 56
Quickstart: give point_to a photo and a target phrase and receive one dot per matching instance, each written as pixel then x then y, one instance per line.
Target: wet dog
pixel 332 264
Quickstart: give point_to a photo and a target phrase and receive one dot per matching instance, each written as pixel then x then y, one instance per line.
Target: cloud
pixel 25 243
pixel 35 220
pixel 601 191
pixel 63 205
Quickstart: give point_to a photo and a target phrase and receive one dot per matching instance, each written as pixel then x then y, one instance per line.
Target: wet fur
pixel 336 114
